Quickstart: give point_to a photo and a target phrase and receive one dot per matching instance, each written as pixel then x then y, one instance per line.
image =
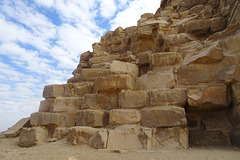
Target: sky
pixel 41 42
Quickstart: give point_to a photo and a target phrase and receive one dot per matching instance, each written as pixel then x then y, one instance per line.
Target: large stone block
pixel 164 116
pixel 92 118
pixel 46 105
pixel 91 74
pixel 230 74
pixel 175 137
pixel 124 140
pixel 53 91
pixel 66 104
pixel 159 77
pixel 78 89
pixel 132 99
pixel 99 140
pixel 145 57
pixel 208 98
pixel 60 132
pixel 32 136
pixel 168 97
pixel 195 74
pixel 124 116
pixel 100 101
pixel 80 135
pixel 165 59
pixel 235 111
pixel 114 83
pixel 107 58
pixel 208 138
pixel 52 119
pixel 124 68
pixel 16 129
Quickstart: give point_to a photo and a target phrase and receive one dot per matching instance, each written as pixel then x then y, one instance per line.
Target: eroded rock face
pixel 173 77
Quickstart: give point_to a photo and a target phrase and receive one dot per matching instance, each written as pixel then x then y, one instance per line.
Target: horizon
pixel 42 41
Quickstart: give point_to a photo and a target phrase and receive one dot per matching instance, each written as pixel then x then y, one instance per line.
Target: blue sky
pixel 41 42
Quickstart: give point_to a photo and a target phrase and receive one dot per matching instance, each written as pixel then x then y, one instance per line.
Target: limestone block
pixel 198 73
pixel 231 43
pixel 208 98
pixel 132 99
pixel 217 24
pixel 142 45
pixel 91 74
pixel 165 59
pixel 212 53
pixel 92 118
pixel 176 39
pixel 168 97
pixel 16 129
pixel 78 89
pixel 197 27
pixel 124 116
pixel 97 60
pixel 145 57
pixel 163 116
pixel 100 101
pixel 53 91
pixel 46 105
pixel 85 56
pixel 80 135
pixel 230 74
pixel 124 68
pixel 60 132
pixel 114 83
pixel 66 104
pixel 98 49
pixel 208 138
pixel 145 31
pixel 32 136
pixel 124 140
pixel 52 119
pixel 159 78
pixel 99 140
pixel 175 137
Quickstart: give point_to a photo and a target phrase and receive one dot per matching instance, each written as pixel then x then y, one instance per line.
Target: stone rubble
pixel 169 82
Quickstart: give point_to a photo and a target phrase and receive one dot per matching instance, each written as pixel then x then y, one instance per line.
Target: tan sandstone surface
pixel 9 150
pixel 151 91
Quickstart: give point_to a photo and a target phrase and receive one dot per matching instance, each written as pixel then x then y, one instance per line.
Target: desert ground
pixel 60 150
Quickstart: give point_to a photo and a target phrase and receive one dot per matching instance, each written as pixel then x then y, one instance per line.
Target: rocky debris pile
pixel 170 81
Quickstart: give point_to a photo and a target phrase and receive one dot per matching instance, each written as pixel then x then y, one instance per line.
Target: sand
pixel 9 150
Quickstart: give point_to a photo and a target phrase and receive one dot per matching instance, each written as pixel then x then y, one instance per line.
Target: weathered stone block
pixel 92 118
pixel 208 98
pixel 32 136
pixel 46 105
pixel 208 138
pixel 159 77
pixel 164 116
pixel 60 132
pixel 175 137
pixel 100 101
pixel 124 140
pixel 124 68
pixel 133 99
pixel 52 119
pixel 108 58
pixel 145 57
pixel 80 135
pixel 78 89
pixel 16 129
pixel 124 116
pixel 168 97
pixel 99 140
pixel 230 74
pixel 235 111
pixel 114 83
pixel 165 59
pixel 91 74
pixel 53 91
pixel 66 104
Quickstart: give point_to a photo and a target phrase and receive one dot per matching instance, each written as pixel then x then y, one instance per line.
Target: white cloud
pixel 45 3
pixel 107 8
pixel 130 15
